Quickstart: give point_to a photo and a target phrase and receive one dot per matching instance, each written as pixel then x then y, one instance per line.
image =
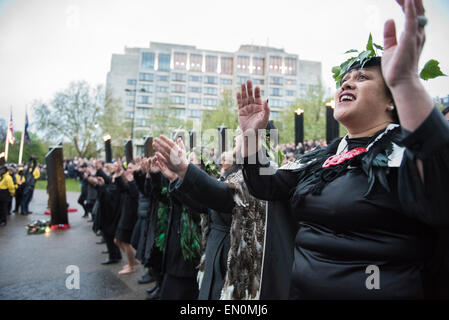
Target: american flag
pixel 10 134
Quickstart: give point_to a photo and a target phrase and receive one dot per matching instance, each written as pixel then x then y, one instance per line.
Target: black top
pixel 342 233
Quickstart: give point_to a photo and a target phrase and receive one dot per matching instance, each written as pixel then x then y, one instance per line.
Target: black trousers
pixel 81 200
pixel 19 197
pixel 114 251
pixel 3 210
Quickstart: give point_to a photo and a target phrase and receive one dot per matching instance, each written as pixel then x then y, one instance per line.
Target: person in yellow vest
pixel 20 182
pixel 7 191
pixel 32 173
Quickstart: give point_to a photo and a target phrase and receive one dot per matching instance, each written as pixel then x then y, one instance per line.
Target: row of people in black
pixel 180 234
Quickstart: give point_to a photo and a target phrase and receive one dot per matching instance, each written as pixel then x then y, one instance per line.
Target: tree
pixel 313 103
pixel 72 116
pixel 3 127
pixel 165 118
pixel 226 113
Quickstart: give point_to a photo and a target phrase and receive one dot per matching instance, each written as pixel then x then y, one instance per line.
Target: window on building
pixel 290 82
pixel 258 81
pixel 180 60
pixel 148 88
pixel 178 88
pixel 210 80
pixel 227 66
pixel 130 92
pixel 275 64
pixel 131 82
pixel 142 122
pixel 162 78
pixel 147 60
pixel 291 93
pixel 144 99
pixel 178 77
pixel 195 101
pixel 211 64
pixel 210 102
pixel 279 81
pixel 179 112
pixel 161 89
pixel 276 92
pixel 142 112
pixel 226 81
pixel 258 66
pixel 164 62
pixel 274 114
pixel 243 64
pixel 130 103
pixel 242 80
pixel 129 114
pixel 161 100
pixel 195 78
pixel 210 91
pixel 195 89
pixel 290 66
pixel 196 62
pixel 194 113
pixel 178 99
pixel 276 103
pixel 146 76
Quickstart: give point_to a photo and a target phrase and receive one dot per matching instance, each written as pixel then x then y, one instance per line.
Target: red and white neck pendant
pixel 342 157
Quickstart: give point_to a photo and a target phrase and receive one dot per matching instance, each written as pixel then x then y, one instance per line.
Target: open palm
pixel 400 60
pixel 253 112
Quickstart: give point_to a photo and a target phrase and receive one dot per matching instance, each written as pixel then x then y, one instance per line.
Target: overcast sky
pixel 46 44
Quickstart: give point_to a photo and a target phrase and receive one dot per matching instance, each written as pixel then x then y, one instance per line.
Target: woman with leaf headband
pixel 370 209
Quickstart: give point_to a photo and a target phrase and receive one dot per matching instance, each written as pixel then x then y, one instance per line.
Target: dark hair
pixel 376 62
pixel 445 111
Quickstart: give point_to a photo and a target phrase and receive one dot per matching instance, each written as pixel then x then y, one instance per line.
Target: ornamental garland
pixel 190 237
pixel 162 223
pixel 430 70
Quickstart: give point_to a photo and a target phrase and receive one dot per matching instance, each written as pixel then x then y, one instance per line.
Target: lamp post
pixel 299 126
pixel 222 138
pixel 332 126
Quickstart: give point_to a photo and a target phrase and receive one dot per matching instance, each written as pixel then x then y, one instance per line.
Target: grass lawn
pixel 71 185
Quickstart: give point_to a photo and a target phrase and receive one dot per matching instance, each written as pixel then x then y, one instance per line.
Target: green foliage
pixel 36 147
pixel 313 104
pixel 362 58
pixel 431 70
pixel 164 119
pixel 190 237
pixel 225 113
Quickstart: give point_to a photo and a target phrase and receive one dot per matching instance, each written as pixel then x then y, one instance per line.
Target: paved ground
pixel 34 266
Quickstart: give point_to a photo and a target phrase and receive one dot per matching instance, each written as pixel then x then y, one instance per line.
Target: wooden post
pixel 148 149
pixel 56 186
pixel 107 148
pixel 129 151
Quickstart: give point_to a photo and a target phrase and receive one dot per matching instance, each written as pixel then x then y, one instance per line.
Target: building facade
pixel 193 80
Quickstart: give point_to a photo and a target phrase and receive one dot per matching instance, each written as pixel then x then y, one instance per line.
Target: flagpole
pixel 6 144
pixel 21 140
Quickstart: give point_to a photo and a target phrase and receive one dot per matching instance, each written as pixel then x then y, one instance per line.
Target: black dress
pixel 342 232
pixel 128 216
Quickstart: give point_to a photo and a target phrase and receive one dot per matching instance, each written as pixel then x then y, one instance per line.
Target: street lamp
pixel 107 148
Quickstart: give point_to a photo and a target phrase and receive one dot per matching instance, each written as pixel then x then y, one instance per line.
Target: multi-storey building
pixel 193 79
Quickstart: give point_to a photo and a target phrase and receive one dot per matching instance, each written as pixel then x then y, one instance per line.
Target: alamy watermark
pixel 73 280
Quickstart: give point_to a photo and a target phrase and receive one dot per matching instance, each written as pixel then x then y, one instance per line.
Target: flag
pixel 10 133
pixel 26 135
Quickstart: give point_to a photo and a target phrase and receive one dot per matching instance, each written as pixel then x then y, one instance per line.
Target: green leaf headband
pixel 431 69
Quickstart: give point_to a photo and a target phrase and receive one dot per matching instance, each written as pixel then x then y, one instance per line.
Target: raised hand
pixel 253 112
pixel 154 168
pixel 400 60
pixel 167 173
pixel 172 154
